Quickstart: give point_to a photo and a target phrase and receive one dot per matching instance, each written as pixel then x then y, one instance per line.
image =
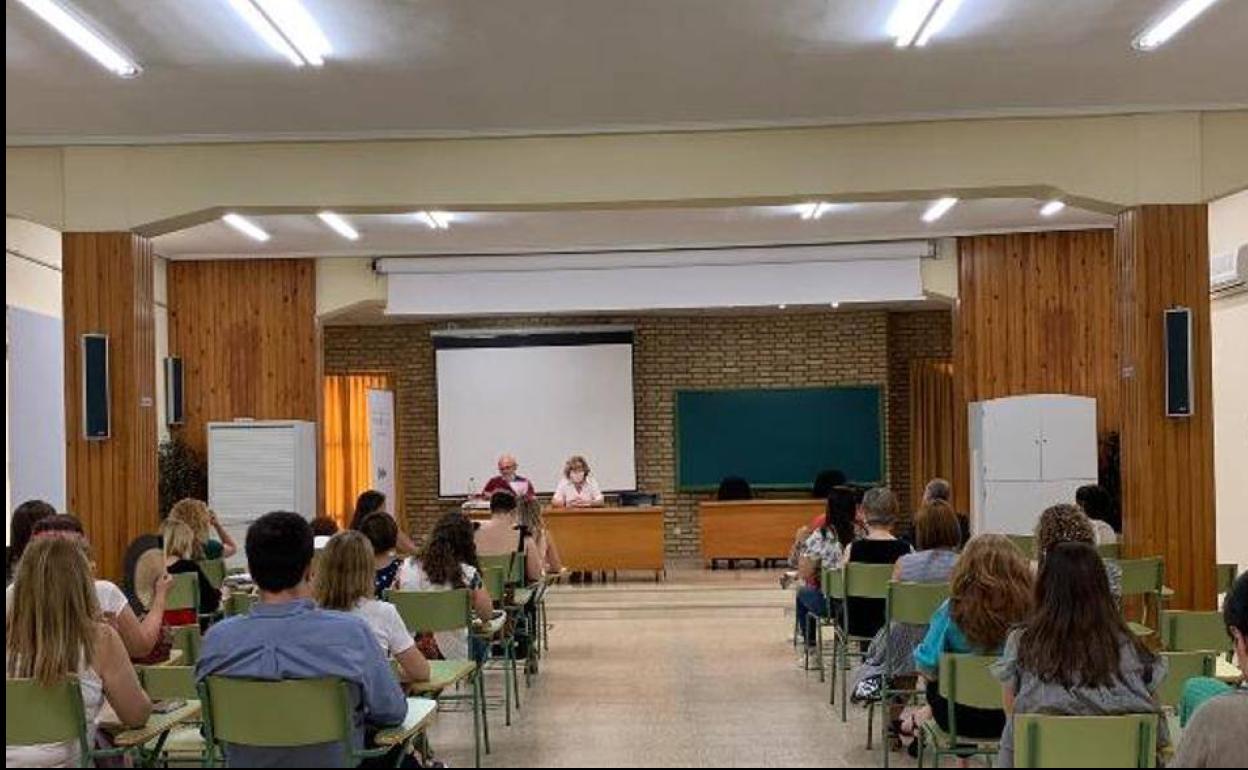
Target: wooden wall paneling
pixel 108 287
pixel 1167 463
pixel 249 338
pixel 931 417
pixel 1035 315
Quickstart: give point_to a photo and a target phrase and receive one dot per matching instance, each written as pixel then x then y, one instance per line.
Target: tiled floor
pixel 696 671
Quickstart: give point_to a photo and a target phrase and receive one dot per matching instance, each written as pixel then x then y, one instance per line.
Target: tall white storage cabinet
pixel 257 467
pixel 1027 453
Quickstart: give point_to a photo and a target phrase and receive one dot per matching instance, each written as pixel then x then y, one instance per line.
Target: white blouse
pixel 566 493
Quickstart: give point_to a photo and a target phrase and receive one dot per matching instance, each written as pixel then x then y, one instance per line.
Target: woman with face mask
pixel 577 488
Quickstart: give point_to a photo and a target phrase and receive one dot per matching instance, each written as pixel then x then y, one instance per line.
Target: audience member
pixel 203 522
pixel 24 518
pixel 53 631
pixel 372 501
pixel 449 562
pixel 502 535
pixel 383 535
pixel 1101 511
pixel 1065 523
pixel 542 540
pixel 286 636
pixel 824 549
pixel 179 546
pixel 879 512
pixel 1075 655
pixel 345 582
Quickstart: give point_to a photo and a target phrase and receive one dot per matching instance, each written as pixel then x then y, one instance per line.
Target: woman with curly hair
pixel 990 591
pixel 448 562
pixel 1067 523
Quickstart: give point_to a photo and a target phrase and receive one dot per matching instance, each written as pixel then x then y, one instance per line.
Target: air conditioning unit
pixel 1228 273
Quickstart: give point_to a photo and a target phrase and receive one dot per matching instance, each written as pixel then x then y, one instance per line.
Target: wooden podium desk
pixel 753 529
pixel 608 539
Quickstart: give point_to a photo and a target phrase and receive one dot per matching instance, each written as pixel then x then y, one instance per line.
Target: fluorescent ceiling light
pixel 1051 208
pixel 1158 34
pixel 914 22
pixel 816 210
pixel 87 39
pixel 938 209
pixel 435 220
pixel 339 225
pixel 287 27
pixel 246 227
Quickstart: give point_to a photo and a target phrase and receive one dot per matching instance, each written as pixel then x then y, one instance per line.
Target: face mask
pixel 509 474
pixel 578 477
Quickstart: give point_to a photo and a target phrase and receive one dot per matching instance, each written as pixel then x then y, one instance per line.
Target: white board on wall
pixel 538 400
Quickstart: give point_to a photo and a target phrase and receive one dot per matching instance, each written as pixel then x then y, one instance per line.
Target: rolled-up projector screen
pixel 540 395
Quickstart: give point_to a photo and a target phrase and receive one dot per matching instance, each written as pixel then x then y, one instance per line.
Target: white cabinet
pixel 260 466
pixel 1027 453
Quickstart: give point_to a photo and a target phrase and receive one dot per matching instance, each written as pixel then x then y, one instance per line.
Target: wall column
pixel 112 483
pixel 1167 463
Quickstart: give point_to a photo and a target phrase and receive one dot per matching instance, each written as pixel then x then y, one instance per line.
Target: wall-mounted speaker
pixel 1179 384
pixel 96 422
pixel 173 391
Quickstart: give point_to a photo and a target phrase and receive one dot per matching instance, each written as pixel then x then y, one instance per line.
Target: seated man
pixel 287 637
pixel 508 480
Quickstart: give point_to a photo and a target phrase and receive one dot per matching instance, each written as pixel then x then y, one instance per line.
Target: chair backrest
pixel 914 602
pixel 186 639
pixel 1188 631
pixel 1117 741
pixel 168 682
pixel 495 579
pixel 1141 576
pixel 184 593
pixel 214 570
pixel 505 562
pixel 1181 666
pixel 1109 550
pixel 432 610
pixel 288 713
pixel 37 714
pixel 1225 575
pixel 240 604
pixel 867 581
pixel 966 680
pixel 1025 543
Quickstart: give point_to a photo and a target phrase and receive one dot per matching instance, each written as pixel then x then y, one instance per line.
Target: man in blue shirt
pixel 287 637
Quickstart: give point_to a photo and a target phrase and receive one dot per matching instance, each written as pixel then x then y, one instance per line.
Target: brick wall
pixel 927 334
pixel 672 352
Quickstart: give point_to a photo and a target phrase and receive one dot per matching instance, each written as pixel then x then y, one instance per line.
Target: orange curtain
pixel 348 461
pixel 931 423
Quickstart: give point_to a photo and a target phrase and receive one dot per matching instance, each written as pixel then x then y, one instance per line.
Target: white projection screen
pixel 540 395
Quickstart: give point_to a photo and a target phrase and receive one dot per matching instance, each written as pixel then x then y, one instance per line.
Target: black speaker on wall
pixel 96 421
pixel 173 391
pixel 1179 385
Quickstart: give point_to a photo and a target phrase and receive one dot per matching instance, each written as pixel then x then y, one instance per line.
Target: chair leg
pixel 870 723
pixel 476 718
pixel 485 713
pixel 819 647
pixel 844 680
pixel 507 673
pixel 836 662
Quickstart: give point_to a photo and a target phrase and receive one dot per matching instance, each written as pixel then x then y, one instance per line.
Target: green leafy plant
pixel 183 473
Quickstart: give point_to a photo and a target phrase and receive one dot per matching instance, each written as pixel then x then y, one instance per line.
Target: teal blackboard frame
pixel 706 485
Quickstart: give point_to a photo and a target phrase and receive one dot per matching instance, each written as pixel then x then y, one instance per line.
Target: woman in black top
pixel 879 508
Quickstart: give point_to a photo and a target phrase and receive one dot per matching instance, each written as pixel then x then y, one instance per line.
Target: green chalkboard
pixel 778 438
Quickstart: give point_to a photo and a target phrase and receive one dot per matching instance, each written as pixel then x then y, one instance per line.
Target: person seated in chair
pixel 286 636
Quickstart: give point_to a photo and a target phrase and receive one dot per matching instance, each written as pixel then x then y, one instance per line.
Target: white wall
pixel 1228 228
pixel 34 366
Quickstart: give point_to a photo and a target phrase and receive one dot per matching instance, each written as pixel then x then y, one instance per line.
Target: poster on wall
pixel 381 443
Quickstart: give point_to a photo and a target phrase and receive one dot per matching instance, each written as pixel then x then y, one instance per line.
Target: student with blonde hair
pixel 344 582
pixel 203 522
pixel 53 631
pixel 141 637
pixel 179 546
pixel 542 540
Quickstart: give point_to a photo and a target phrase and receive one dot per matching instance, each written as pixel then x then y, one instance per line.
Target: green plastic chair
pixel 495 579
pixel 249 712
pixel 1225 575
pixel 1143 578
pixel 830 581
pixel 913 604
pixel 188 640
pixel 499 561
pixel 965 680
pixel 1189 631
pixel 433 611
pixel 35 714
pixel 214 570
pixel 184 593
pixel 184 743
pixel 1109 550
pixel 1025 543
pixel 862 581
pixel 239 604
pixel 1182 666
pixel 1129 740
